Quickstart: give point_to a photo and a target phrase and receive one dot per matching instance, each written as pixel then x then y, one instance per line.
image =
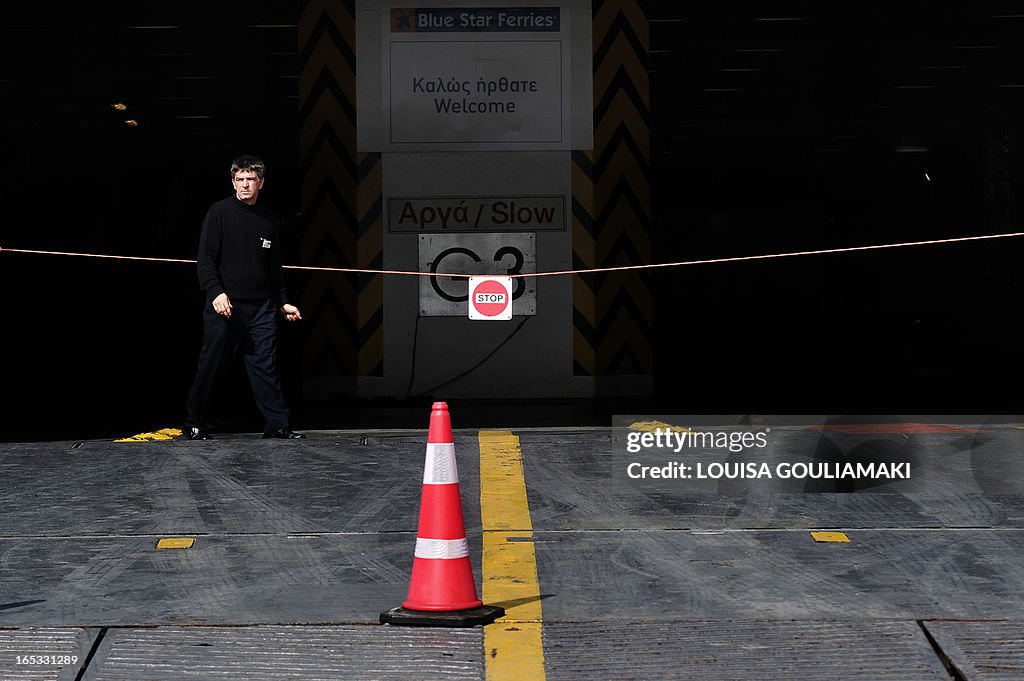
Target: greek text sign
pixel 472 92
pixel 476 213
pixel 476 254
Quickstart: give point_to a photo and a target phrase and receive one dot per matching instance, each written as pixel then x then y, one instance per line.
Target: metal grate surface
pixel 709 651
pixel 278 653
pixel 18 648
pixel 982 651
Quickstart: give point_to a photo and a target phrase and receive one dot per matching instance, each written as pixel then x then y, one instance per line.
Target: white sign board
pixel 476 254
pixel 480 76
pixel 490 298
pixel 472 92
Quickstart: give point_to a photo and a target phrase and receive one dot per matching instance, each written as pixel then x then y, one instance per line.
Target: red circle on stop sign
pixel 490 298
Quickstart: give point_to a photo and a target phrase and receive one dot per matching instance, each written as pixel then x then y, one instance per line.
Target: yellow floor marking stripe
pixel 838 537
pixel 513 648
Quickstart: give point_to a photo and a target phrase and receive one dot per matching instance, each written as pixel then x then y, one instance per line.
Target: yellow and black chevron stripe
pixel 340 200
pixel 611 207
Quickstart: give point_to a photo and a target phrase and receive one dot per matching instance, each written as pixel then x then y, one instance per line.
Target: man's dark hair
pixel 248 163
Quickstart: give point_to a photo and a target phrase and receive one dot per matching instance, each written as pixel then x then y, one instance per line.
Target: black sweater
pixel 239 253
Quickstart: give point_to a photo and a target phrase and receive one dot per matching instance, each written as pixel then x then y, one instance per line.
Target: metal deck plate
pixel 280 653
pixel 982 651
pixel 781 575
pixel 43 654
pixel 575 483
pixel 118 581
pixel 707 651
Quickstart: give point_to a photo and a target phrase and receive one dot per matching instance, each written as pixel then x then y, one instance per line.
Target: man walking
pixel 239 265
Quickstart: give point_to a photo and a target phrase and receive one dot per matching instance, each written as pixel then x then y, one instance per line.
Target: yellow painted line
pixel 836 537
pixel 651 426
pixel 163 434
pixel 513 649
pixel 176 543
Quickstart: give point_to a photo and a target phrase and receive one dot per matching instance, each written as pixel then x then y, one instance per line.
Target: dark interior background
pixel 802 127
pixel 798 127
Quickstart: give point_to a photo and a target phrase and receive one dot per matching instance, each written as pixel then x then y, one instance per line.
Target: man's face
pixel 247 186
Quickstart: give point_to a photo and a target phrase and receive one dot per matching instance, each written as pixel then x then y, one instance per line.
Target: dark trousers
pixel 253 327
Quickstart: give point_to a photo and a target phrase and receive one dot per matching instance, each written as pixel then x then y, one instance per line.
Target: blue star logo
pixel 404 20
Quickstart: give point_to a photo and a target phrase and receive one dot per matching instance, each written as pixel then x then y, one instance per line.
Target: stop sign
pixel 490 297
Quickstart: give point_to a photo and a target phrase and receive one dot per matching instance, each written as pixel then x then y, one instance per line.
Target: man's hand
pixel 222 305
pixel 290 312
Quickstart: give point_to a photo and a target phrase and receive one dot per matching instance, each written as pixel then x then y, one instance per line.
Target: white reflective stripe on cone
pixel 441 548
pixel 440 468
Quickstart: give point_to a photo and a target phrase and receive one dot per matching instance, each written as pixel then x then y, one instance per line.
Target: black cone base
pixel 450 618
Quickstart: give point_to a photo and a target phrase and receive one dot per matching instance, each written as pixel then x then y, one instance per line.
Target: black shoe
pixel 283 433
pixel 196 433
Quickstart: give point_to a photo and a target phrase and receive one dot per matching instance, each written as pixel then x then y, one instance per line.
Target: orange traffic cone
pixel 442 591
